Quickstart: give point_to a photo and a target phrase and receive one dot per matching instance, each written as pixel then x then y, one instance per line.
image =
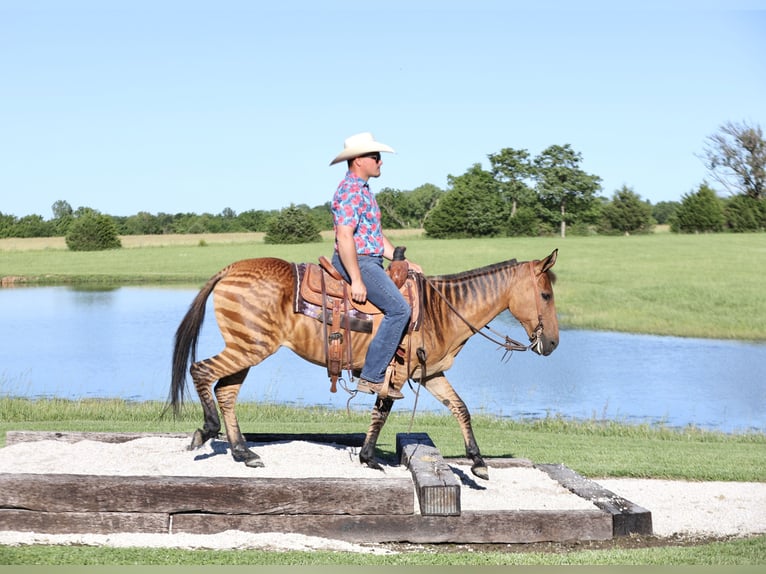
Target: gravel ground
pixel 687 510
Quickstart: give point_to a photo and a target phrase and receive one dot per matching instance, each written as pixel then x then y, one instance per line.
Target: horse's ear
pixel 549 261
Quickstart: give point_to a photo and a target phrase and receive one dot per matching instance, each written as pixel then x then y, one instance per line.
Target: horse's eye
pixel 546 296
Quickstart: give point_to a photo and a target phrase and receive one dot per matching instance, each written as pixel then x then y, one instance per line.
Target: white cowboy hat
pixel 360 144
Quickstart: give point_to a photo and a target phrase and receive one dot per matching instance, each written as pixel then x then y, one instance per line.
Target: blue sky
pixel 196 106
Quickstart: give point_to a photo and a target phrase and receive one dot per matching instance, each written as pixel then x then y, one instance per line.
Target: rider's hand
pixel 359 291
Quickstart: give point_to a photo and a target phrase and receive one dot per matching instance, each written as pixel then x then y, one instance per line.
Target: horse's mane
pixel 471 273
pixel 487 269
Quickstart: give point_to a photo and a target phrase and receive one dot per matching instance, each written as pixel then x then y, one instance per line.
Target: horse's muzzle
pixel 542 345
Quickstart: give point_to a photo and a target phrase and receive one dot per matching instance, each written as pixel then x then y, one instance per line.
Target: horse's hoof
pixel 481 471
pixel 372 463
pixel 254 463
pixel 198 439
pixel 248 457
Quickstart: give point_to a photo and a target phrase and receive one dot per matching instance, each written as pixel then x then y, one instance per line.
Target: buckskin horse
pixel 255 310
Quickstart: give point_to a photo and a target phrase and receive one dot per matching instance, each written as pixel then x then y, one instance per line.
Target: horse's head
pixel 533 304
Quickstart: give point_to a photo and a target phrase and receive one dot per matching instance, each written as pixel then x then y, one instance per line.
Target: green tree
pixel 255 220
pixel 422 199
pixel 743 213
pixel 92 231
pixel 472 207
pixel 228 221
pixel 393 210
pixel 143 223
pixel 513 170
pixel 662 211
pixel 322 215
pixel 626 213
pixel 61 209
pixel 699 212
pixel 407 209
pixel 184 222
pixel 7 221
pixel 735 156
pixel 524 224
pixel 32 226
pixel 292 225
pixel 63 215
pixel 566 192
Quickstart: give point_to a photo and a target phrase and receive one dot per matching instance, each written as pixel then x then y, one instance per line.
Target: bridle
pixel 502 341
pixel 535 340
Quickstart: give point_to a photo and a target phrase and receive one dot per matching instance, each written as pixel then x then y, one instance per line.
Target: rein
pixel 506 343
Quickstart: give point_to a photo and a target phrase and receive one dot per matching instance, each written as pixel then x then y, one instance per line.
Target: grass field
pixel 666 284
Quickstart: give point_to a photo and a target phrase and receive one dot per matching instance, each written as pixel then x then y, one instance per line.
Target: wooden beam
pixel 503 527
pixel 14 437
pixel 627 517
pixel 83 522
pixel 437 487
pixel 225 495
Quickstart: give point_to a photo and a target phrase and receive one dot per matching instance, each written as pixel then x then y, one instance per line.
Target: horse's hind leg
pixel 226 391
pixel 380 413
pixel 440 388
pixel 203 375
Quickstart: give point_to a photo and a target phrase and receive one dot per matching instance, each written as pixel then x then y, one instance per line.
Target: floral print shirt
pixel 354 205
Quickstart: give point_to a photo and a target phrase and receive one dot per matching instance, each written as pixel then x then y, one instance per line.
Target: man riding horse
pixel 360 247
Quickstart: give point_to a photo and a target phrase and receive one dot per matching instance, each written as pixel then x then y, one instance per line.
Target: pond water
pixel 72 343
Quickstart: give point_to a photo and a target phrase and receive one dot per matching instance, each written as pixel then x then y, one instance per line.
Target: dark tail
pixel 185 348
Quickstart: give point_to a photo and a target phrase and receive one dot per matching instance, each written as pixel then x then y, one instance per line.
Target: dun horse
pixel 253 302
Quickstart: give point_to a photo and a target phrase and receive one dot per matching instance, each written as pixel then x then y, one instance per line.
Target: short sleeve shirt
pixel 353 205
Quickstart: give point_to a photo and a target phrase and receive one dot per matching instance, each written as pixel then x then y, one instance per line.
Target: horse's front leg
pixel 440 388
pixel 380 413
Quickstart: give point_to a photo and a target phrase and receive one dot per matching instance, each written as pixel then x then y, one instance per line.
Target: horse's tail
pixel 187 335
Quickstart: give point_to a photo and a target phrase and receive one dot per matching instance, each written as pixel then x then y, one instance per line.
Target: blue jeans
pixel 383 293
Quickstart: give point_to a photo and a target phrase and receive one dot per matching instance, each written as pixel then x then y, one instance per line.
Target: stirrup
pixel 383 389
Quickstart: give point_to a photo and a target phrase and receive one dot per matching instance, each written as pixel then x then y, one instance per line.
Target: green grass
pixel 665 284
pixel 744 552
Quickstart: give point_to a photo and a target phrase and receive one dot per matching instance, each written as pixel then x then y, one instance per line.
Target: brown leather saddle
pixel 322 293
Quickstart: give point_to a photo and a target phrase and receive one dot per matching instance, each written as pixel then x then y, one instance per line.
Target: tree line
pixel 516 195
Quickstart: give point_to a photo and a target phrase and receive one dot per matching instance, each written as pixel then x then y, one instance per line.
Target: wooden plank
pixel 14 437
pixel 403 439
pixel 627 517
pixel 227 495
pixel 83 522
pixel 484 527
pixel 437 487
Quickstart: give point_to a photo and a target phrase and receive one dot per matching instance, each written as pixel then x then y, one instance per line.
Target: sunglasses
pixel 374 155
